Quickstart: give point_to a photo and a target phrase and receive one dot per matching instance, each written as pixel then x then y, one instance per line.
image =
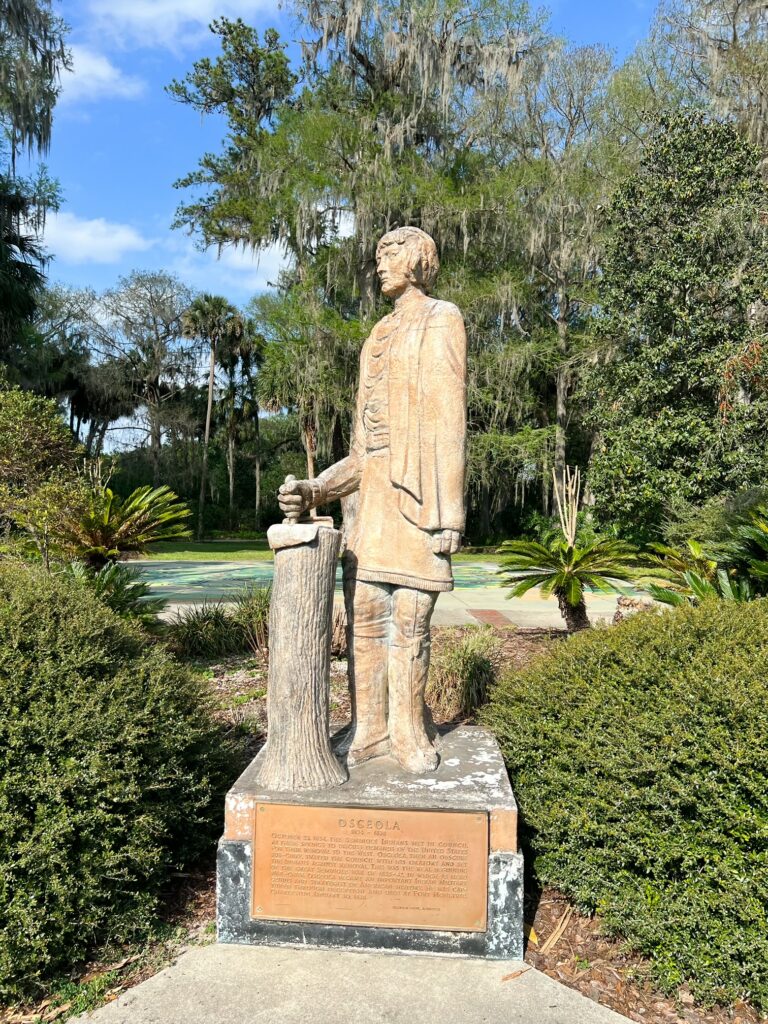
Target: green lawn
pixel 211 551
pixel 245 551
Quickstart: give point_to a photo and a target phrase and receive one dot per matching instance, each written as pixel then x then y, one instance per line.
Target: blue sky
pixel 120 142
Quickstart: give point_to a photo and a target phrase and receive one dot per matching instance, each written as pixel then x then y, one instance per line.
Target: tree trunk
pixel 155 440
pixel 90 438
pixel 485 513
pixel 310 456
pixel 257 483
pixel 560 429
pixel 298 754
pixel 204 470
pixel 561 384
pixel 561 426
pixel 231 474
pixel 576 617
pixel 101 437
pixel 366 282
pixel 257 472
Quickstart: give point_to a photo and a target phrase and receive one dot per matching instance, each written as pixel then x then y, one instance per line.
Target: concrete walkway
pixel 478 598
pixel 248 984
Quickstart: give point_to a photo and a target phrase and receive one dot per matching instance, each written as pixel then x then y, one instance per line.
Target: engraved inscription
pixel 409 869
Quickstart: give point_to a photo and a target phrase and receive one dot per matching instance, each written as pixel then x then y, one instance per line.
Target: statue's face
pixel 394 264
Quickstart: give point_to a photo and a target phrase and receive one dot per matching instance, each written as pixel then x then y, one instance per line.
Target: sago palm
pixel 693 588
pixel 567 571
pixel 112 527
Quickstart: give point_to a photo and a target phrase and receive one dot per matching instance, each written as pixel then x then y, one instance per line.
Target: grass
pixel 211 551
pixel 247 551
pixel 480 557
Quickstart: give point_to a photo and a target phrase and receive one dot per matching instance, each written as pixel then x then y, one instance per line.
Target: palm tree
pixel 564 568
pixel 111 527
pixel 567 571
pixel 21 260
pixel 739 572
pixel 693 588
pixel 239 355
pixel 214 320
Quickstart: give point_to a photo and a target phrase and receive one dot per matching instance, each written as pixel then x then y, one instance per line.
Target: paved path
pixel 247 985
pixel 477 597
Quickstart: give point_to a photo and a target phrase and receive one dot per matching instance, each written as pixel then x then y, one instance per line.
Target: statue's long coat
pixel 420 488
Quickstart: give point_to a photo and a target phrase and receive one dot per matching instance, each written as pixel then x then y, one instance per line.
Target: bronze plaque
pixel 384 868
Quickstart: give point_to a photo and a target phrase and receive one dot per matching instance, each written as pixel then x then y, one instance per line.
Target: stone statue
pixel 408 462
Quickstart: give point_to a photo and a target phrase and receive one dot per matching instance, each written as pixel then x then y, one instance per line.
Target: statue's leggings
pixel 389 643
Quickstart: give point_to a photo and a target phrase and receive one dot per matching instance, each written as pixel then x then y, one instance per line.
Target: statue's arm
pixel 338 480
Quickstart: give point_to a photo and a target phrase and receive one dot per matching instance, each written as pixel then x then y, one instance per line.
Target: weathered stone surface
pixel 471 778
pixel 407 462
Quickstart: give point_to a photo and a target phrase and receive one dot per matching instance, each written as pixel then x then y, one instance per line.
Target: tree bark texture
pixel 231 475
pixel 575 616
pixel 298 754
pixel 206 439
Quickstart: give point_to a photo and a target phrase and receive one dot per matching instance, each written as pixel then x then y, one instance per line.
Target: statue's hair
pixel 423 252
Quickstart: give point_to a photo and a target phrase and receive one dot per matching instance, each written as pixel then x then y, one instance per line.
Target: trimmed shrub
pixel 461 671
pixel 639 755
pixel 112 774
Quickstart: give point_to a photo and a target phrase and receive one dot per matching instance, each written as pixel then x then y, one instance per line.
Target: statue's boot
pixel 369 657
pixel 408 670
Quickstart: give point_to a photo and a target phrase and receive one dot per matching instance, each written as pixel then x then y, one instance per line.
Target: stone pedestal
pixel 388 861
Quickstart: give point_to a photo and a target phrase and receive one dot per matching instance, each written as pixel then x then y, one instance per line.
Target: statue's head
pixel 406 257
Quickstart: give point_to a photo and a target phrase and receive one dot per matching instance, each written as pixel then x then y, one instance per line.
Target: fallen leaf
pixel 515 974
pixel 557 933
pixel 530 933
pixel 122 963
pixel 56 1012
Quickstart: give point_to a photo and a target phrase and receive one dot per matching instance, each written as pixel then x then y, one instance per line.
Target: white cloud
pixel 171 23
pixel 74 240
pixel 234 271
pixel 94 77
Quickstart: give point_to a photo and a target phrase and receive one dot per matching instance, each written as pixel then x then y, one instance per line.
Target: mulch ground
pixel 571 949
pixel 560 942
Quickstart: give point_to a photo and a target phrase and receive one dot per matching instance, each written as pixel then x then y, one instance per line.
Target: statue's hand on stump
pixel 446 542
pixel 295 497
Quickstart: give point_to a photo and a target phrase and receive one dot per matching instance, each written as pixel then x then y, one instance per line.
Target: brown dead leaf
pixel 56 1012
pixel 515 974
pixel 122 963
pixel 557 933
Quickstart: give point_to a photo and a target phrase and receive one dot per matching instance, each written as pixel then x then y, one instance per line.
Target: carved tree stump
pixel 298 754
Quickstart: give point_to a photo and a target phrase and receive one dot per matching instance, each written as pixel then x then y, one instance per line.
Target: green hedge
pixel 639 755
pixel 112 774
